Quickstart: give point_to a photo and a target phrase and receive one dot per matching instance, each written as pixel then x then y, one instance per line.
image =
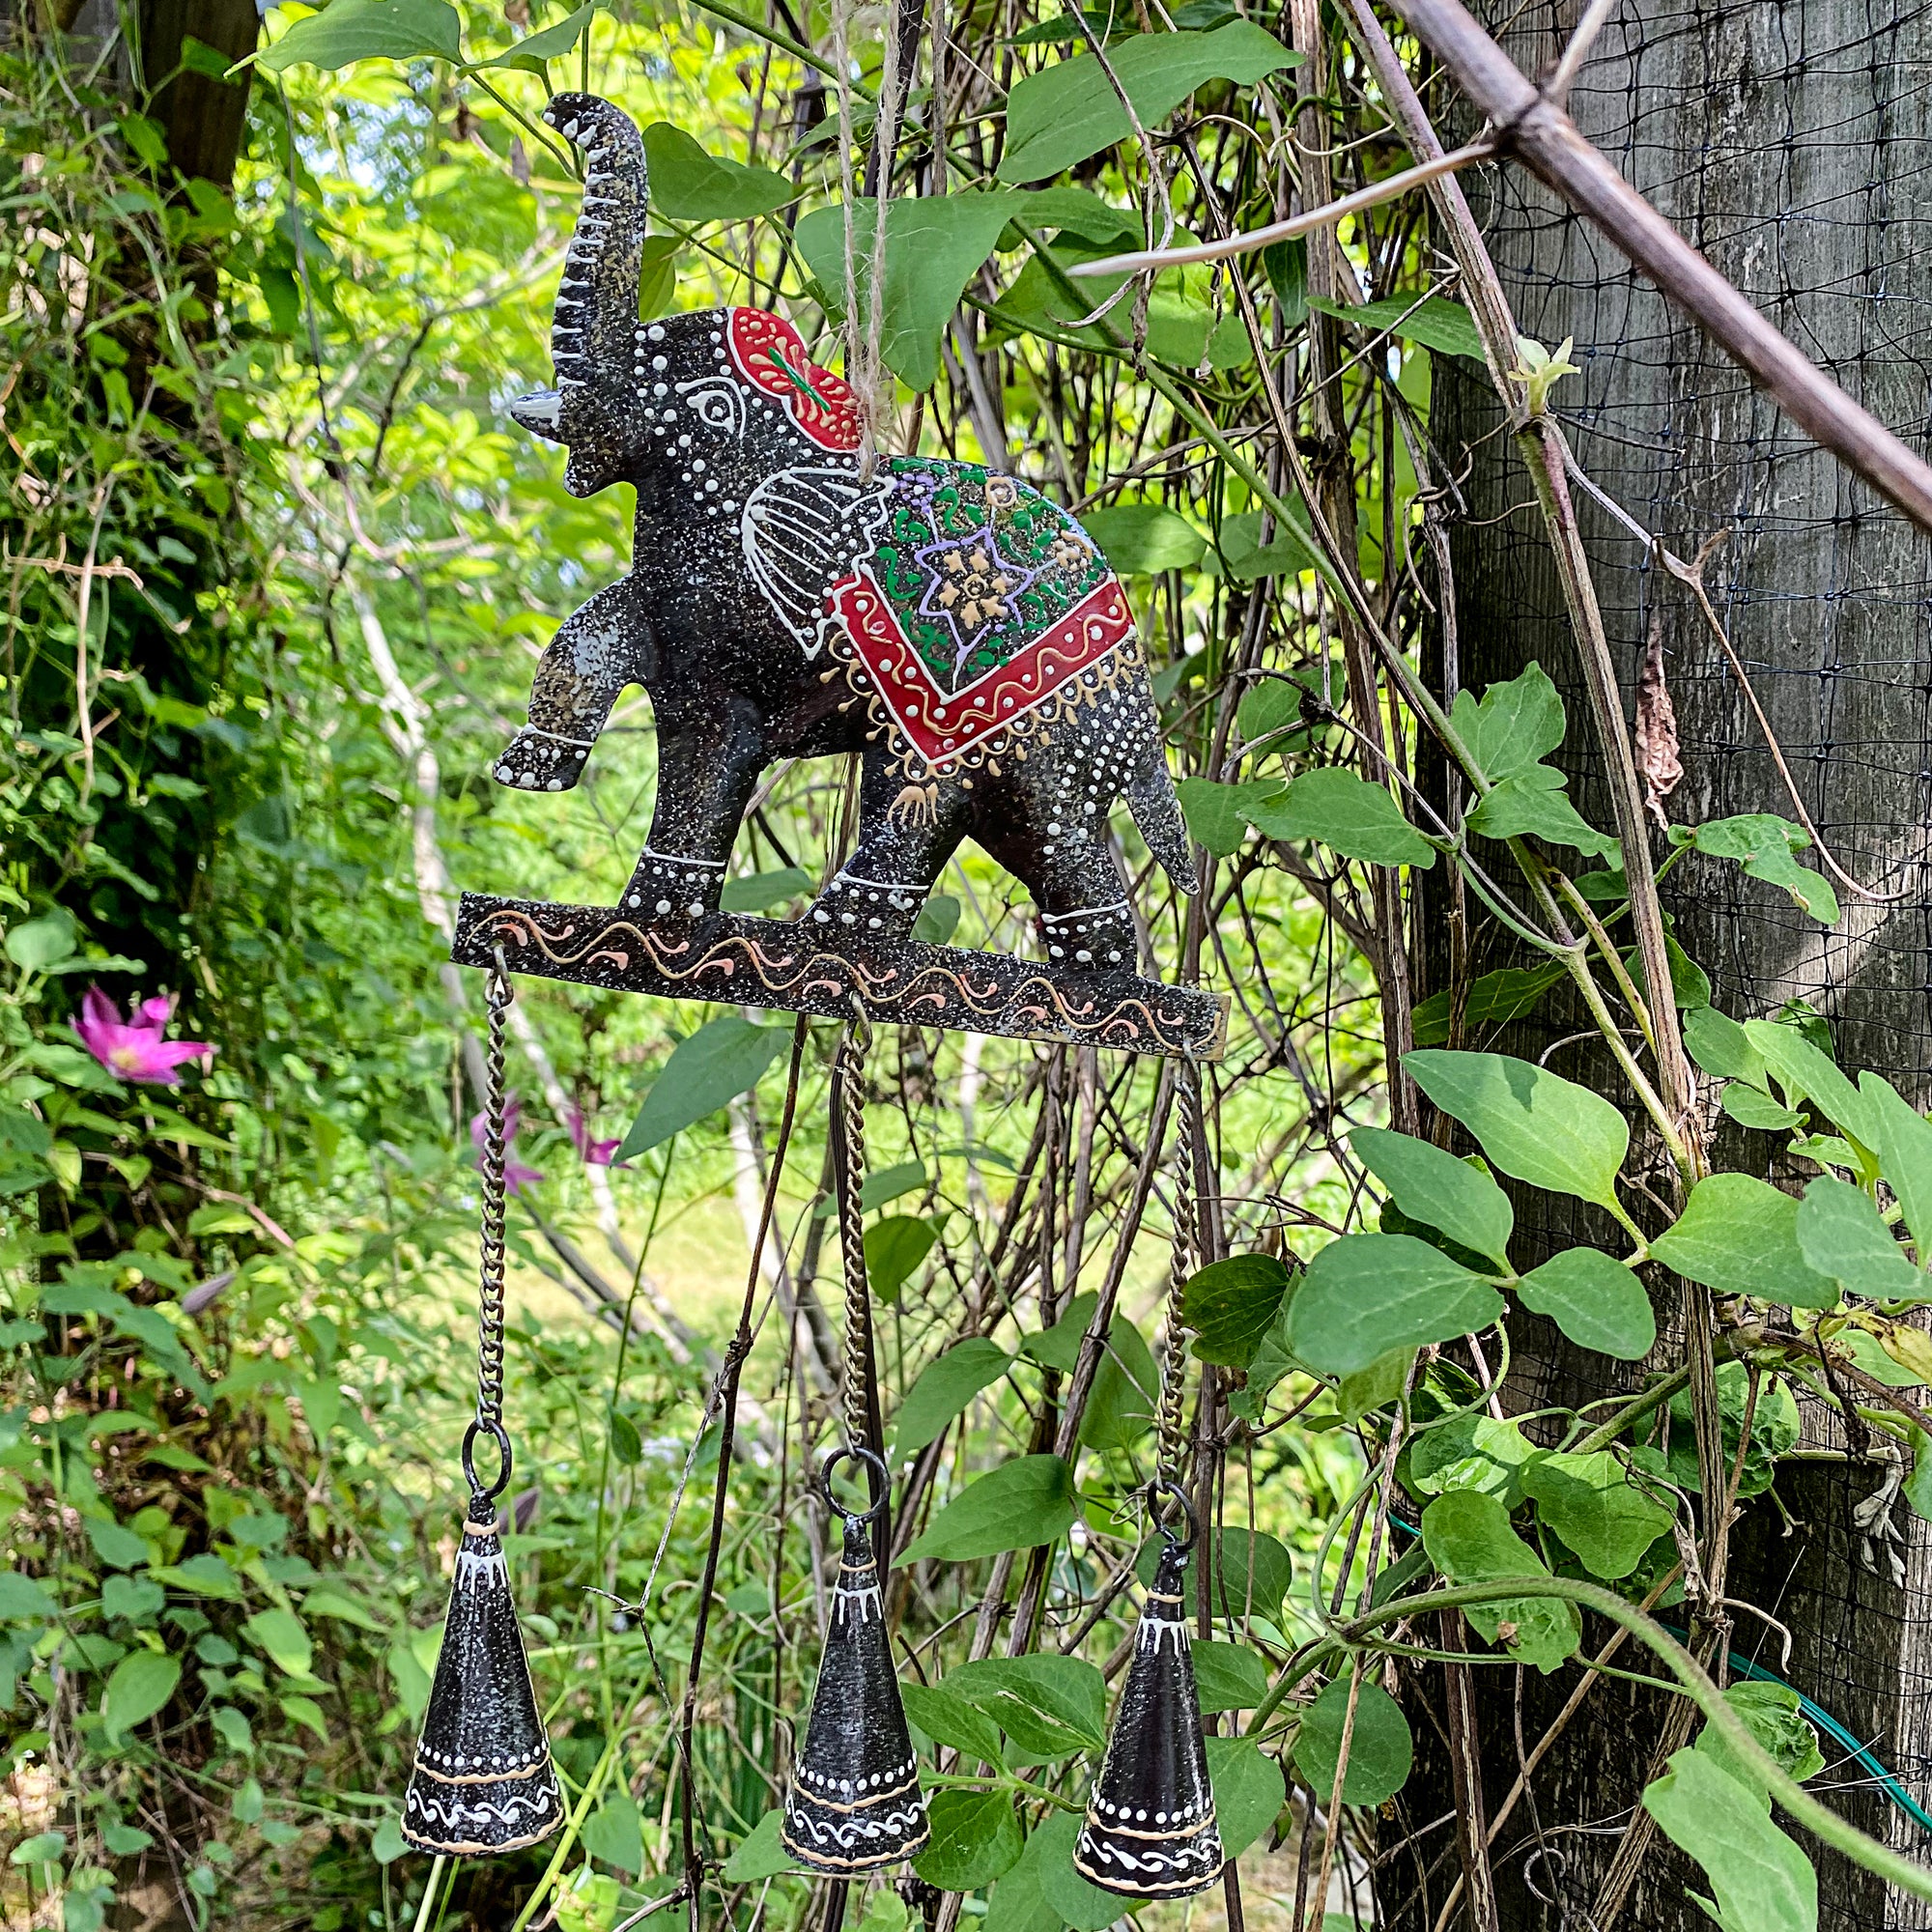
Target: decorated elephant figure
pixel 949 623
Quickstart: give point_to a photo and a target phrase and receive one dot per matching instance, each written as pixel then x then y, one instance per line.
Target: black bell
pixel 855 1804
pixel 1150 1830
pixel 483 1781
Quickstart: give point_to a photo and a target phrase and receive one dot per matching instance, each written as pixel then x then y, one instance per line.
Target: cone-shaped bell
pixel 1150 1830
pixel 855 1801
pixel 483 1781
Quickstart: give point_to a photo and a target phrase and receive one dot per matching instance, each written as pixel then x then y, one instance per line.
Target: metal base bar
pixel 781 965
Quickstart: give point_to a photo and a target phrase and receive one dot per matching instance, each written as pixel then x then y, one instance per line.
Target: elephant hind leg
pixel 907 830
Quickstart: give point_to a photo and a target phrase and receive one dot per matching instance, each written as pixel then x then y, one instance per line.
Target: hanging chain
pixel 851 1229
pixel 1181 1264
pixel 490 1310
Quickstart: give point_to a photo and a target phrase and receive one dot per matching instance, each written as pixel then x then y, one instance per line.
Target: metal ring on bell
pixel 1166 1486
pixel 875 1467
pixel 501 1438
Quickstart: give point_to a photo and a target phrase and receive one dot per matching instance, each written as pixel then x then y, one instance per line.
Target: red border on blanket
pixel 942 726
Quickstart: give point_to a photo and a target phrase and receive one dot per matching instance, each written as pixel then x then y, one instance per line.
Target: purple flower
pixel 593 1153
pixel 134 1049
pixel 516 1176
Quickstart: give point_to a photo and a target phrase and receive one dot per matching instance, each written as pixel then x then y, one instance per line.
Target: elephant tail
pixel 1158 812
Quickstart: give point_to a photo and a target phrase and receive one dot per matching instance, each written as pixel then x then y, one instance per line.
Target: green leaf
pixel 1593 1503
pixel 706 1070
pixel 1126 1389
pixel 1360 820
pixel 136 1599
pixel 976 1838
pixel 1806 1072
pixel 1760 1880
pixel 387 1843
pixel 1077 211
pixel 627 1446
pixel 1532 1123
pixel 1050 1705
pixel 1469 1540
pixel 894 1248
pixel 943 1390
pixel 1231 1305
pixel 1016 1903
pixel 1766 846
pixel 551 43
pixel 1902 1141
pixel 1380 1749
pixel 950 1720
pixel 938 920
pixel 38 945
pixel 614 1833
pixel 1018 1505
pixel 44 1848
pixel 1249 1791
pixel 1841 1234
pixel 1375 1388
pixel 280 1632
pixel 1454 1196
pixel 887 1184
pixel 1774 1714
pixel 1739 1236
pixel 762 891
pixel 1143 539
pixel 1069 111
pixel 353 30
pixel 1514 724
pixel 1471 1451
pixel 22 1600
pixel 1066 1896
pixel 1775 1427
pixel 1493 1000
pixel 1434 322
pixel 759 1854
pixel 328 1602
pixel 1252 1573
pixel 1217 813
pixel 934 246
pixel 1288 551
pixel 1533 804
pixel 203 1575
pixel 118 1547
pixel 1596 1301
pixel 1752 1108
pixel 689 185
pixel 142 1683
pixel 1367 1295
pixel 1721 1048
pixel 1229 1676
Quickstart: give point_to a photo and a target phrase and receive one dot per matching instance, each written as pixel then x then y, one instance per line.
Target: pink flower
pixel 516 1176
pixel 133 1050
pixel 593 1153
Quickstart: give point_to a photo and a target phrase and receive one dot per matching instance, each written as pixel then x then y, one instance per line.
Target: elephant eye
pixel 716 405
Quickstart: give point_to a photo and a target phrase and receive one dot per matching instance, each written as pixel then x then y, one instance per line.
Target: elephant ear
pixel 804 529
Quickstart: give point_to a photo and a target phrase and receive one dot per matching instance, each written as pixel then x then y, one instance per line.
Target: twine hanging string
pixel 865 336
pixel 501 995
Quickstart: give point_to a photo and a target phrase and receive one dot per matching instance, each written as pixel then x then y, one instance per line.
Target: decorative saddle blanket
pixel 965 599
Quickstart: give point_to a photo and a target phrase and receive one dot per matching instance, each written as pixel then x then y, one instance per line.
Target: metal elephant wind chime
pixel 792 595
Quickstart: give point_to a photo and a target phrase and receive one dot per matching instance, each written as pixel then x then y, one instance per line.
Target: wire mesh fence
pixel 1788 141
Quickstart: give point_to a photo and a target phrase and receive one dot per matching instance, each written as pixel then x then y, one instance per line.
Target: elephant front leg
pixel 600 648
pixel 707 768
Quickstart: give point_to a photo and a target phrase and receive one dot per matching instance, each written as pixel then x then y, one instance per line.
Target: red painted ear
pixel 770 355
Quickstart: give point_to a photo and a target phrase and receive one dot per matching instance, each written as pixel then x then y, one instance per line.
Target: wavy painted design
pixel 929 993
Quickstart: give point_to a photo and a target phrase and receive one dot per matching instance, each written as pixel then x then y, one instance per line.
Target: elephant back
pixel 978 605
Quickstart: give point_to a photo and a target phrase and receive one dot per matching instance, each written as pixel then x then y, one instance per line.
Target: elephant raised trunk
pixel 593 327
